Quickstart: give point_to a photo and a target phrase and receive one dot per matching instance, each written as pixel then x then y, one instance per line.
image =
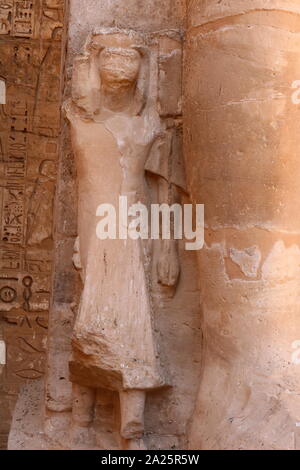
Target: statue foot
pixel 132 414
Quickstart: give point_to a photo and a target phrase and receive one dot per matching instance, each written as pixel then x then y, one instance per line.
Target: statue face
pixel 47 168
pixel 119 67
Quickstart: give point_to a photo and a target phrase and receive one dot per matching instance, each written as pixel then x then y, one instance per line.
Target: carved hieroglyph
pixel 118 135
pixel 29 126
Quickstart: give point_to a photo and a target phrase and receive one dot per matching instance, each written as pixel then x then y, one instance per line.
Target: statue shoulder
pixel 74 113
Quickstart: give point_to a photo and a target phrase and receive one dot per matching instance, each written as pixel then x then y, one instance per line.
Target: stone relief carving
pixel 123 129
pixel 29 128
pixel 40 213
pixel 30 18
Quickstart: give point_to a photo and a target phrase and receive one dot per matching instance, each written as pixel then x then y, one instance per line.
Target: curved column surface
pixel 242 146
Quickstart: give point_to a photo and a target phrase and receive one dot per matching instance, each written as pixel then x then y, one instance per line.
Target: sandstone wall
pixel 30 67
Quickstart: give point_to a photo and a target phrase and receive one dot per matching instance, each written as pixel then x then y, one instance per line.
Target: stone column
pixel 242 145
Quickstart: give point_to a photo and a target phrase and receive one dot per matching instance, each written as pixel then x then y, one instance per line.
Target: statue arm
pixel 165 162
pixel 168 267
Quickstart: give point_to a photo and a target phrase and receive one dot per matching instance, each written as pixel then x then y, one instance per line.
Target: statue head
pixel 48 169
pixel 119 68
pixel 114 63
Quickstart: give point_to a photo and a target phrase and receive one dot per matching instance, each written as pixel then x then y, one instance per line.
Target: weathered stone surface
pixel 149 16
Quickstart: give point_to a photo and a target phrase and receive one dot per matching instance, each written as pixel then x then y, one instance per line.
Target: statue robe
pixel 113 341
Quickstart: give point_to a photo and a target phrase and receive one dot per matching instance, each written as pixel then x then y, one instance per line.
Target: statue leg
pixel 82 414
pixel 132 404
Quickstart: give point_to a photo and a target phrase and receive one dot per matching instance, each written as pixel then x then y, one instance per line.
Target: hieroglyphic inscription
pixel 29 127
pixel 17 17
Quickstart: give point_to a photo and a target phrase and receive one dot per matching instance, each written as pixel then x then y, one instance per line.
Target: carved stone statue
pixel 117 137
